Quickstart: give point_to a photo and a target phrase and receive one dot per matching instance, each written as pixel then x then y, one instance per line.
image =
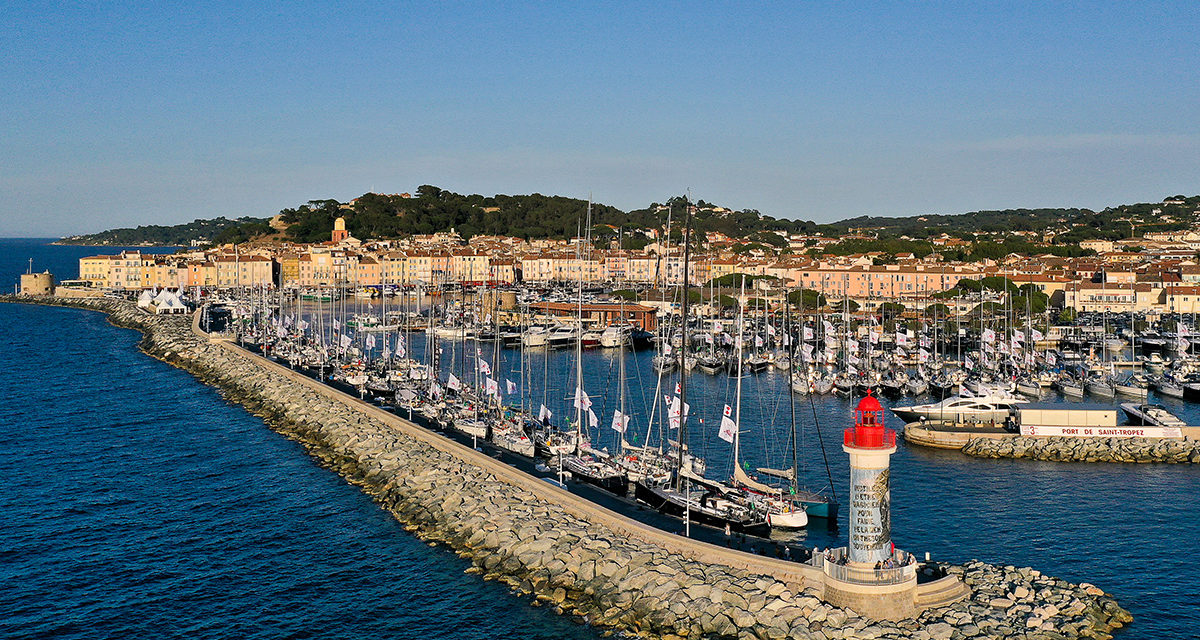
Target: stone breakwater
pixel 583 561
pixel 1067 449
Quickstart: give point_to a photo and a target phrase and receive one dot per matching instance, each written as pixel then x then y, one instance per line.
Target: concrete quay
pixel 984 441
pixel 585 560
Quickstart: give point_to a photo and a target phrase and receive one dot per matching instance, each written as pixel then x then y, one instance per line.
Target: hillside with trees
pixel 216 230
pixel 1072 225
pixel 432 209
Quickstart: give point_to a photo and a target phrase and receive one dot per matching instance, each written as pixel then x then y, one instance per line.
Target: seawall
pixel 1067 449
pixel 583 559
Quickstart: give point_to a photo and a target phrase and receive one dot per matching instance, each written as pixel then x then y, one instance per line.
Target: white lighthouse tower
pixel 870 575
pixel 870 446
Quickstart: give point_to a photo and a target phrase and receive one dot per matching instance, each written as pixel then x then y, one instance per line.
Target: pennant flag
pixel 989 335
pixel 435 391
pixel 484 368
pixel 852 359
pixel 370 341
pixel 806 352
pixel 808 333
pixel 454 383
pixel 386 353
pixel 1036 335
pixel 770 329
pixel 336 325
pixel 758 341
pixel 346 341
pixel 302 325
pixel 902 338
pixel 728 411
pixel 1050 358
pixel 593 421
pixel 873 335
pixel 968 363
pixel 922 355
pixel 544 413
pixel 828 326
pixel 487 319
pixel 728 429
pixel 492 387
pixel 678 388
pixel 510 386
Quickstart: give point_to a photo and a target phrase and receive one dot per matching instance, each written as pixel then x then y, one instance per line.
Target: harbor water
pixel 143 503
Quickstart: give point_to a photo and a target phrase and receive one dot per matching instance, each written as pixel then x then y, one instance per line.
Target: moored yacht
pixel 994 407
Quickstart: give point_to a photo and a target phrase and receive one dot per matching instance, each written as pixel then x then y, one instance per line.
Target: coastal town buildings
pixel 1162 276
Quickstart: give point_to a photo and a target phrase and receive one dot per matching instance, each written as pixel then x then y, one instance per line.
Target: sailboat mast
pixel 737 412
pixel 579 335
pixel 683 346
pixel 787 323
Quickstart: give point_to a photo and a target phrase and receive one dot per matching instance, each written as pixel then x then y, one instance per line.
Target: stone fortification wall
pixel 582 562
pixel 1066 449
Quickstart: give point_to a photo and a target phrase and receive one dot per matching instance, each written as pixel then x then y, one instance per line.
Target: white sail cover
pixel 742 478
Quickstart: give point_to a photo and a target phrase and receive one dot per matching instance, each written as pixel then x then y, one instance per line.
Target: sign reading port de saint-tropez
pixel 1103 432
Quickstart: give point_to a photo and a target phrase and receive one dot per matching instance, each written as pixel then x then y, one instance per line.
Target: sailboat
pixel 689 495
pixel 586 463
pixel 780 514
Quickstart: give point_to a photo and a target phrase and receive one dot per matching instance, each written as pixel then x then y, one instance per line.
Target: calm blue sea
pixel 138 503
pixel 142 503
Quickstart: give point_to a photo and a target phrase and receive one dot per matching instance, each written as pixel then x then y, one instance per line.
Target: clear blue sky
pixel 117 115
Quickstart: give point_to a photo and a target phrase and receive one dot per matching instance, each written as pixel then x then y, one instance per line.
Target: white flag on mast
pixel 620 421
pixel 728 429
pixel 582 401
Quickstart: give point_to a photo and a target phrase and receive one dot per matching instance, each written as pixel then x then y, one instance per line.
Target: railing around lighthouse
pixel 830 563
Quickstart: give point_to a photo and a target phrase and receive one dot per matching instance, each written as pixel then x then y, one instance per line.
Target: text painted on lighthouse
pixel 870 515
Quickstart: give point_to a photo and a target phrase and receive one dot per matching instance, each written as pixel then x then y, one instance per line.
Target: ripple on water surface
pixel 142 502
pixel 138 503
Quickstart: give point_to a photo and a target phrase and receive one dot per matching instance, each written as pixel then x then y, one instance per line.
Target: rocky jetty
pixel 1067 449
pixel 580 565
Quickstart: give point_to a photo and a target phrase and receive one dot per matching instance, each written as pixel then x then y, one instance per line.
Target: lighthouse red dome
pixel 868 431
pixel 868 403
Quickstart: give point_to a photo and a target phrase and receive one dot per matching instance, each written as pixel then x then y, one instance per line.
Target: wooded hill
pixel 431 209
pixel 217 230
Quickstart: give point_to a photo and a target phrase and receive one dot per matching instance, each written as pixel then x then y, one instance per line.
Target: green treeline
pixel 432 209
pixel 216 230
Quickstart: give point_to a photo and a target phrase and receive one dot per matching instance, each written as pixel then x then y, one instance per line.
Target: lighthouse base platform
pixel 883 593
pixel 875 601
